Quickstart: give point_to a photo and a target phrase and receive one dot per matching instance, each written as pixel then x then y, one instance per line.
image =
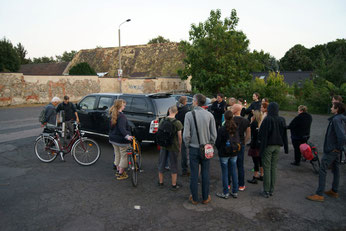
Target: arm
pixel 179 140
pixel 339 128
pixel 284 135
pixel 213 133
pixel 187 132
pixel 122 126
pixel 249 109
pixel 247 134
pixel 77 118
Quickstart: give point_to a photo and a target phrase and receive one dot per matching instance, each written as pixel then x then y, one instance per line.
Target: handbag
pixel 206 150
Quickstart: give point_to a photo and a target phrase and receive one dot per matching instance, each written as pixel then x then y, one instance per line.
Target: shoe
pixel 222 195
pixel 295 163
pixel 331 193
pixel 271 194
pixel 160 184
pixel 253 180
pixel 265 194
pixel 315 198
pixel 207 200
pixel 234 195
pixel 242 188
pixel 175 187
pixel 260 178
pixel 117 173
pixel 123 176
pixel 192 201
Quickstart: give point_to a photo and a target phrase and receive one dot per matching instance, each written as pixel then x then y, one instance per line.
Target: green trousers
pixel 270 159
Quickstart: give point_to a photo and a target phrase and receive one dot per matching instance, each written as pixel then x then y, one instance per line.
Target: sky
pixel 50 27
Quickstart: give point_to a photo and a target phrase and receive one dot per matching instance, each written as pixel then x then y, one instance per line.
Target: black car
pixel 143 110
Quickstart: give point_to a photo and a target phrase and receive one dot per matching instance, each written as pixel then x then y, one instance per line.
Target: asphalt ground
pixel 67 196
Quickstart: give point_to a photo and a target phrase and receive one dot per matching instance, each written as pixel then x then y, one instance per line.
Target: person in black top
pixel 255 105
pixel 70 115
pixel 218 108
pixel 300 131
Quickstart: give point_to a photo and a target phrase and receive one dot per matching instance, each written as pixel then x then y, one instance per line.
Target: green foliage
pixel 9 59
pixel 158 39
pixel 261 61
pixel 276 89
pixel 22 53
pixel 217 56
pixel 82 69
pixel 44 59
pixel 66 56
pixel 296 58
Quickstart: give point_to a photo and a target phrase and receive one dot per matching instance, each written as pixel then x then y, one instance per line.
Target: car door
pixel 85 110
pixel 101 114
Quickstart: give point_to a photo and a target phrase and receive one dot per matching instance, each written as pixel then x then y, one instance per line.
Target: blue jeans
pixel 329 159
pixel 240 167
pixel 195 161
pixel 226 164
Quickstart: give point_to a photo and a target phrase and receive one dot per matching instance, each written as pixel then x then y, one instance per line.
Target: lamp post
pixel 120 71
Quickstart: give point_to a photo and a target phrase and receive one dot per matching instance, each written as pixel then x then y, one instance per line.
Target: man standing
pixel 300 131
pixel 50 112
pixel 70 114
pixel 218 108
pixel 182 110
pixel 244 130
pixel 334 142
pixel 207 134
pixel 172 150
pixel 255 105
pixel 272 134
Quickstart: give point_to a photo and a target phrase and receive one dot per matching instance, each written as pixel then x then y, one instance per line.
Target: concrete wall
pixel 16 88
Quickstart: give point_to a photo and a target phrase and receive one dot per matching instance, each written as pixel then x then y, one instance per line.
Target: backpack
pixel 42 116
pixel 233 145
pixel 165 133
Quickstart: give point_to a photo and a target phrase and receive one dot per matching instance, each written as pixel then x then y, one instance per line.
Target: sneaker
pixel 260 178
pixel 160 184
pixel 192 201
pixel 175 187
pixel 222 195
pixel 331 193
pixel 117 173
pixel 265 194
pixel 271 194
pixel 207 200
pixel 315 198
pixel 234 195
pixel 253 180
pixel 242 188
pixel 123 176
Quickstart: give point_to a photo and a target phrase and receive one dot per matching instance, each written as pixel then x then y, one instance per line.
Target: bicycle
pixel 48 146
pixel 135 161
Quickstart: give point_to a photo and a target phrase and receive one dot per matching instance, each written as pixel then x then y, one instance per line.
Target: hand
pixel 130 138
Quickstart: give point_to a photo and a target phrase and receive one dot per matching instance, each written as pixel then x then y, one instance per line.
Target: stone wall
pixel 17 89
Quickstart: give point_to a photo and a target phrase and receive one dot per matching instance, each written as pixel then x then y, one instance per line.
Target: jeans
pixel 226 164
pixel 195 161
pixel 240 166
pixel 184 158
pixel 329 159
pixel 270 159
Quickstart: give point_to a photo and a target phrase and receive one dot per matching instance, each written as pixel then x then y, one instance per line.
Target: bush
pixel 82 69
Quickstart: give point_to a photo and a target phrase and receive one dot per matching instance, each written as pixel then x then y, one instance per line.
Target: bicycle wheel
pixel 86 151
pixel 315 162
pixel 139 156
pixel 46 148
pixel 133 170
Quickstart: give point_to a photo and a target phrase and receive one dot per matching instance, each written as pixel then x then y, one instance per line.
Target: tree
pixel 9 59
pixel 217 56
pixel 263 62
pixel 66 56
pixel 159 39
pixel 44 59
pixel 22 53
pixel 82 69
pixel 296 58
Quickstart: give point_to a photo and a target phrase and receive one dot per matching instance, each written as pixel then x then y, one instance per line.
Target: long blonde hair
pixel 114 110
pixel 257 117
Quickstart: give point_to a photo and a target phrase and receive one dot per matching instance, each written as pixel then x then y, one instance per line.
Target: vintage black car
pixel 143 110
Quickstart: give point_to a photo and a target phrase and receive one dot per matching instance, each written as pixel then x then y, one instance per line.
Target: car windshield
pixel 163 104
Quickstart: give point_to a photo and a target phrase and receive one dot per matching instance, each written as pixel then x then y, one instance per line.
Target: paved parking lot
pixel 67 196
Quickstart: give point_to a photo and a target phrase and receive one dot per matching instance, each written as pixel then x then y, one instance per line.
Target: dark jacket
pixel 273 129
pixel 182 110
pixel 254 135
pixel 256 106
pixel 218 109
pixel 222 137
pixel 69 110
pixel 300 126
pixel 50 114
pixel 336 135
pixel 118 132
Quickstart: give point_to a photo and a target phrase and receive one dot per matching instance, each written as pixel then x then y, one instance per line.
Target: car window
pixel 88 102
pixel 140 105
pixel 163 104
pixel 128 100
pixel 105 103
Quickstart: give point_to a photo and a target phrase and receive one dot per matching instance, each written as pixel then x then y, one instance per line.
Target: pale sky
pixel 50 27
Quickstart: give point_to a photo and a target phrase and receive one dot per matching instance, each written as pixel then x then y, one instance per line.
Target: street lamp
pixel 120 71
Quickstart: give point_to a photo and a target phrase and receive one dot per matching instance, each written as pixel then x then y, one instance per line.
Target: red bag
pixel 305 150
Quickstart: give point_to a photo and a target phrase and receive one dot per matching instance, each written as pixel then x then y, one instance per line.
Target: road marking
pixel 20 135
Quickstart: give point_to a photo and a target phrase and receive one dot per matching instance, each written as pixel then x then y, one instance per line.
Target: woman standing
pixel 119 137
pixel 264 111
pixel 254 148
pixel 225 133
